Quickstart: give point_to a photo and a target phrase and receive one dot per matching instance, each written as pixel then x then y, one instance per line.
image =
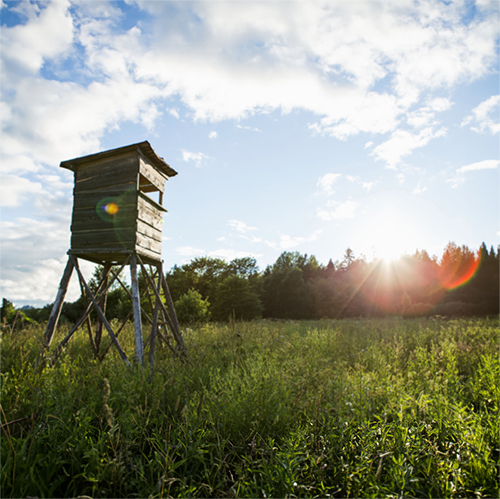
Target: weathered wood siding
pixel 149 226
pixel 137 223
pixel 151 174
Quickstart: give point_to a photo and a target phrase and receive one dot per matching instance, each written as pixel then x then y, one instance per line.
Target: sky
pixel 293 126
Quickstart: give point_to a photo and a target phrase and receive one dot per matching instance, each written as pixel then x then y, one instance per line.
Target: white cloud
pixel 190 251
pixel 402 143
pixel 322 57
pixel 367 186
pixel 212 135
pixel 30 272
pixel 287 242
pixel 482 116
pixel 253 239
pixel 252 129
pixel 53 121
pixel 173 112
pixel 459 178
pixel 14 190
pixel 47 35
pixel 71 74
pixel 487 164
pixel 40 281
pixel 19 164
pixel 199 158
pixel 337 210
pixel 426 115
pixel 419 189
pixel 229 254
pixel 239 226
pixel 327 181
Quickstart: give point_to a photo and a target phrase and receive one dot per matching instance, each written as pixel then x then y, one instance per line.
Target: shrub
pixel 192 308
pixel 457 308
pixel 417 310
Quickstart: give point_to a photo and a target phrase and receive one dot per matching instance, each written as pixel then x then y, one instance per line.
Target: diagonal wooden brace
pixel 100 312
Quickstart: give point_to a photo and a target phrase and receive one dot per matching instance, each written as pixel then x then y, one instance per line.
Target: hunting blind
pixel 117 221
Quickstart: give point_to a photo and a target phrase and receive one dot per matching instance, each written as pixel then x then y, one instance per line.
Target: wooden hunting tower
pixel 117 220
pixel 114 212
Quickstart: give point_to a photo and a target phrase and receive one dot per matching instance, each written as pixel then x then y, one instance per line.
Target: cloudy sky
pixel 298 126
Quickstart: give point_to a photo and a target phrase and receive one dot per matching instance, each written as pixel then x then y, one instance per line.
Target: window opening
pixel 146 187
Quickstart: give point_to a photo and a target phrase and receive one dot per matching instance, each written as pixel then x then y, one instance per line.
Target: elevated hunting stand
pixel 117 220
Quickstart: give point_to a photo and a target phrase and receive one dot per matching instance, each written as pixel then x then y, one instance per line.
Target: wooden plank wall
pixel 137 225
pixel 152 175
pixel 109 180
pixel 149 227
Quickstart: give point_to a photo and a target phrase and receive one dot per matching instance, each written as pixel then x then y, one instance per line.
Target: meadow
pixel 335 408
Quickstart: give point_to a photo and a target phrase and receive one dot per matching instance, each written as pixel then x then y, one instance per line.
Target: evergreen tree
pixel 8 312
pixel 234 297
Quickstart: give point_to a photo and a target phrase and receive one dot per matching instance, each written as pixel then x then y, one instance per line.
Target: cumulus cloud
pixel 482 116
pixel 190 251
pixel 198 158
pixel 323 57
pixel 426 115
pixel 327 181
pixel 48 34
pixel 15 190
pixel 239 226
pixel 230 254
pixel 459 177
pixel 487 164
pixel 287 242
pixel 174 112
pixel 212 135
pixel 252 129
pixel 367 186
pixel 30 271
pixel 419 189
pixel 402 143
pixel 71 73
pixel 336 210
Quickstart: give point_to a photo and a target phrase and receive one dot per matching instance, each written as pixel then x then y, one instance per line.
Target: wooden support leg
pixel 87 320
pixel 56 308
pixel 155 322
pixel 136 306
pixel 102 304
pixel 177 330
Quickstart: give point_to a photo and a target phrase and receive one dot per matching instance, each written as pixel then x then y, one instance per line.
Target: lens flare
pixel 458 272
pixel 111 208
pixel 424 280
pixel 107 208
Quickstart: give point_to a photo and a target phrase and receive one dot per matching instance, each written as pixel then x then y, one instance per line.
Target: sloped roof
pixel 143 148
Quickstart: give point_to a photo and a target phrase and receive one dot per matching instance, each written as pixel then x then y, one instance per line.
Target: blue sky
pixel 297 126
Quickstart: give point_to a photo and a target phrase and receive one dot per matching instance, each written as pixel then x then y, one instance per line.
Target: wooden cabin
pixel 117 207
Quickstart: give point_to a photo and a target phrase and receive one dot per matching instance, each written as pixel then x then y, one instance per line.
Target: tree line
pixel 297 286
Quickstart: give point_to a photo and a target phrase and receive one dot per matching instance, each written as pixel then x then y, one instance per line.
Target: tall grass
pixel 350 408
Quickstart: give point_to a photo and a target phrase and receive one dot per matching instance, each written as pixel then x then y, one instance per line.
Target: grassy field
pixel 348 408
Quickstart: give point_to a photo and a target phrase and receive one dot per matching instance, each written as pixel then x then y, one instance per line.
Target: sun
pixel 390 236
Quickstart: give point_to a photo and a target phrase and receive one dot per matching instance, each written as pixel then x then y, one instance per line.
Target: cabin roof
pixel 143 148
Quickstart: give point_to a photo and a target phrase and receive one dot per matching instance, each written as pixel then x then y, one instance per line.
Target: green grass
pixel 349 408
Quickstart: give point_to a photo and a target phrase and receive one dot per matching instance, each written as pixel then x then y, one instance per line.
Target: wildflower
pixel 108 413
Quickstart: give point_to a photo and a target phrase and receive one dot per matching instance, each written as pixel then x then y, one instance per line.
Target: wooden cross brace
pixel 163 316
